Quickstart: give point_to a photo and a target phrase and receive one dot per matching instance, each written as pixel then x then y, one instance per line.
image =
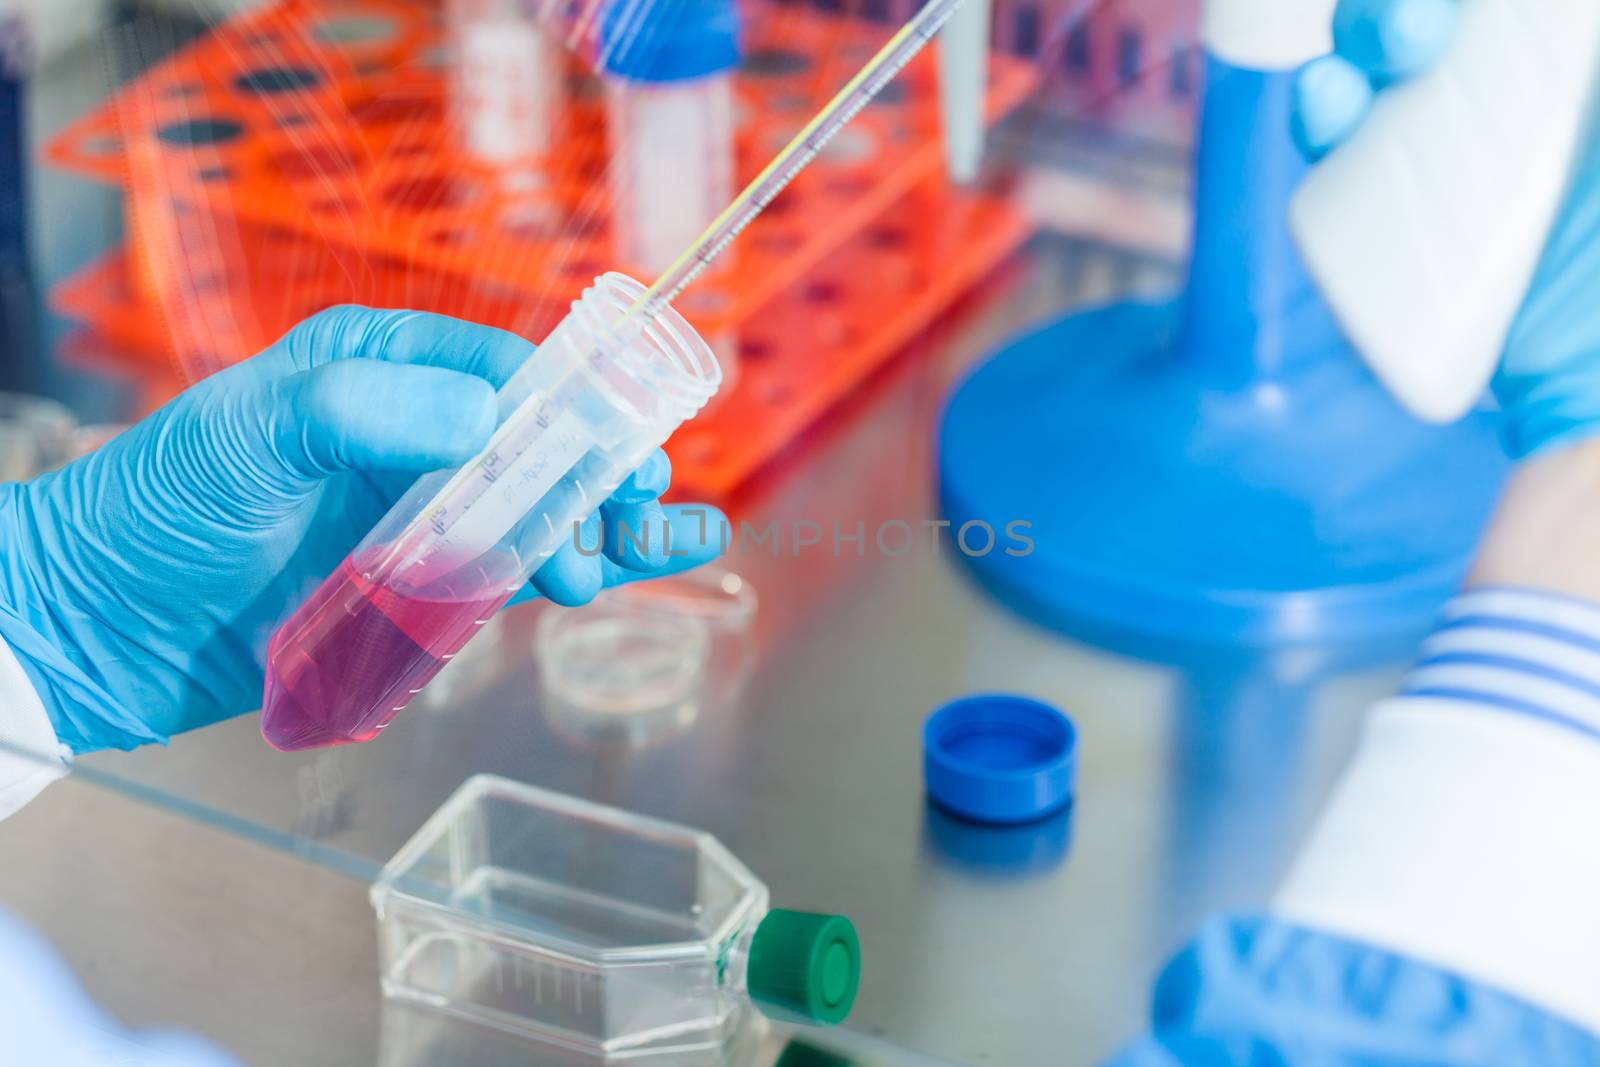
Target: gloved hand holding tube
pixel 140 583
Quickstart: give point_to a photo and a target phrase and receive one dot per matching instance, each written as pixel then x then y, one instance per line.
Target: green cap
pixel 806 963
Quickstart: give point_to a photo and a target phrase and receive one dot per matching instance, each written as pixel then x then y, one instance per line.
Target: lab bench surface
pixel 221 886
pixel 1029 946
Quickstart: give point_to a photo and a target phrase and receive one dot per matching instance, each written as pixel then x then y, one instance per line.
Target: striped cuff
pixel 1523 651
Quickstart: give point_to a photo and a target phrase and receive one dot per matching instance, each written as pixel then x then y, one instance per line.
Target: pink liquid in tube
pixel 575 420
pixel 355 654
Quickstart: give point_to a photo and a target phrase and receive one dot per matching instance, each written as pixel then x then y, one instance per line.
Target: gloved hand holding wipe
pixel 141 583
pixel 1548 377
pixel 1442 911
pixel 1461 834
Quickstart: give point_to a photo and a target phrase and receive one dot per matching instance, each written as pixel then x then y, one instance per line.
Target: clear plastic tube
pixel 505 80
pixel 672 169
pixel 459 544
pixel 813 136
pixel 963 81
pixel 612 382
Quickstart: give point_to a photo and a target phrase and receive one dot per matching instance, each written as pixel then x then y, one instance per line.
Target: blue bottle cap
pixel 1000 758
pixel 668 40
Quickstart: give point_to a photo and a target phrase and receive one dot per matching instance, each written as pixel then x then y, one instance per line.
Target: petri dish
pixel 715 595
pixel 36 435
pixel 616 670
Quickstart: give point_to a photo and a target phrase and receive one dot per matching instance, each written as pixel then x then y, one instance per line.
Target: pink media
pixel 354 655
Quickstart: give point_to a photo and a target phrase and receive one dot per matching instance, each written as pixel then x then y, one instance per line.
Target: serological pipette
pixel 610 384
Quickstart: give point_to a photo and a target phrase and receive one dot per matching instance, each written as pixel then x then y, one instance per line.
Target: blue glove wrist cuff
pixel 1524 651
pixel 68 693
pixel 84 714
pixel 1529 432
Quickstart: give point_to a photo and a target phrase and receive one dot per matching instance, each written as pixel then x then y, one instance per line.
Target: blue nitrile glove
pixel 140 584
pixel 1548 381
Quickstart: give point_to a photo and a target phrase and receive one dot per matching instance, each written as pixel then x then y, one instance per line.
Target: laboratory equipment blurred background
pixel 1219 580
pixel 330 167
pixel 433 156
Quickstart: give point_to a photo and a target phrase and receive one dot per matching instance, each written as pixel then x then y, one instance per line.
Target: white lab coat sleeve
pixel 46 1018
pixel 30 755
pixel 1466 831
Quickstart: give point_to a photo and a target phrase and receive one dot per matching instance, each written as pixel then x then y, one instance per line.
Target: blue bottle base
pixel 1305 507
